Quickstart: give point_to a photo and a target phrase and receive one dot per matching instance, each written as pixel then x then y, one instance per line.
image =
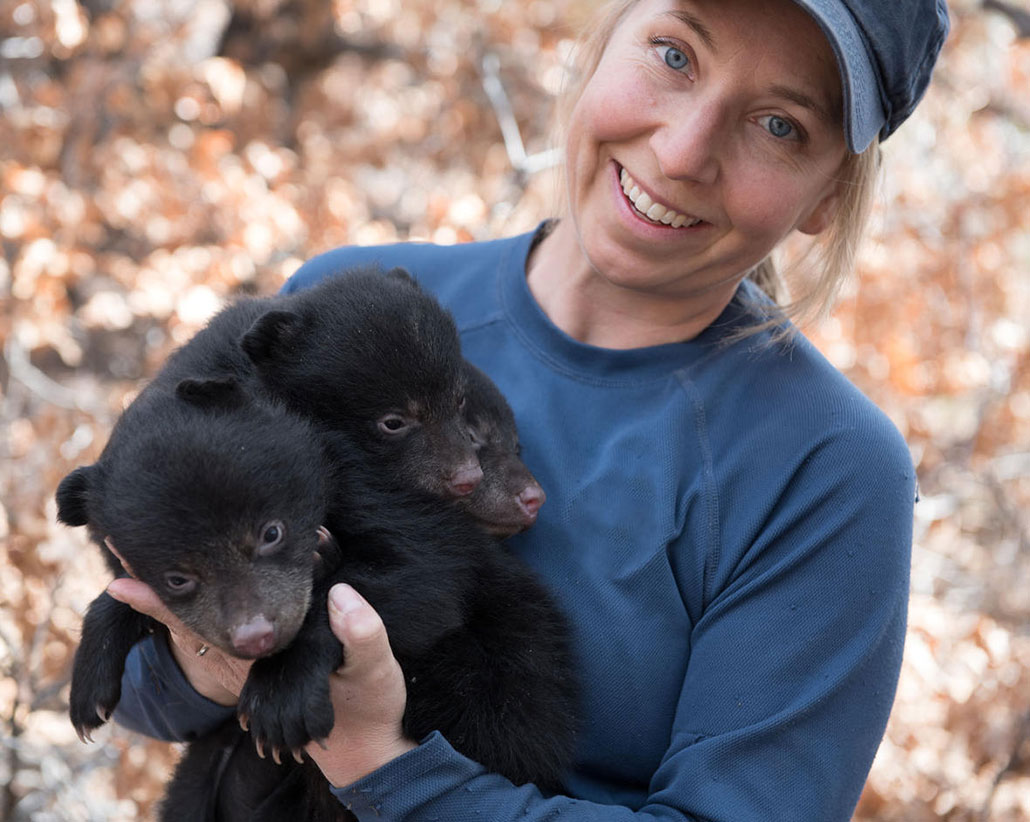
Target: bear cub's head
pixel 214 500
pixel 508 499
pixel 372 356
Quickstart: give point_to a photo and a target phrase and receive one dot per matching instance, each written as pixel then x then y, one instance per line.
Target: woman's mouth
pixel 652 211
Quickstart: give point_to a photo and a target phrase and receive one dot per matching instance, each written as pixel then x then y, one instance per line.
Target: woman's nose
pixel 689 142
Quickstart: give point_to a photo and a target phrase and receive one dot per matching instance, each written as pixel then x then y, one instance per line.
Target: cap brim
pixel 864 116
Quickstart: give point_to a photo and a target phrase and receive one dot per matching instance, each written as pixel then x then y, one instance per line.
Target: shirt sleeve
pixel 792 671
pixel 158 700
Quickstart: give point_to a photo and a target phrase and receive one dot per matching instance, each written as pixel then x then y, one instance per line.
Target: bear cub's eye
pixel 393 424
pixel 179 583
pixel 272 534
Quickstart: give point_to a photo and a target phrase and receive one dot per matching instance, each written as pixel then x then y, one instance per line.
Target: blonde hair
pixel 820 272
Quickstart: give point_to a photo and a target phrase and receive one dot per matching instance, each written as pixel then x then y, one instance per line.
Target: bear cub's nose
pixel 466 479
pixel 253 638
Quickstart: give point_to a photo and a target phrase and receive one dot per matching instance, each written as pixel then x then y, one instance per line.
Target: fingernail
pixel 343 598
pixel 113 590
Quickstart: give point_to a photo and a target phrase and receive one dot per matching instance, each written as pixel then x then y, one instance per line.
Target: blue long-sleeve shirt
pixel 728 527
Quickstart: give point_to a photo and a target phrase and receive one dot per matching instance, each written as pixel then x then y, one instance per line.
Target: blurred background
pixel 158 157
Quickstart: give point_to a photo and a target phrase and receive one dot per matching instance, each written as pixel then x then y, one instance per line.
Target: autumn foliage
pixel 160 156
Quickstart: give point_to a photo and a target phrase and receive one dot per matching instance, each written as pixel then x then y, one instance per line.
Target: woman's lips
pixel 654 212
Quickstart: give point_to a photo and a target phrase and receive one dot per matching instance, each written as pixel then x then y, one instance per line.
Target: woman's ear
pixel 820 217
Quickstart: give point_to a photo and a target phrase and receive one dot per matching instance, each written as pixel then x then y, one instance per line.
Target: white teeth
pixel 655 212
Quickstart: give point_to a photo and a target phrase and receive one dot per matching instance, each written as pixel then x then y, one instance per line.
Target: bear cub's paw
pixel 285 703
pixel 96 689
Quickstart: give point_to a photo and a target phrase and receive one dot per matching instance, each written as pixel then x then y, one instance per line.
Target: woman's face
pixel 709 131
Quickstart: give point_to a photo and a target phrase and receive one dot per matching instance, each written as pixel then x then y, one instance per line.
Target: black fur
pixel 484 651
pixel 374 357
pixel 207 458
pixel 509 497
pixel 186 491
pixel 360 353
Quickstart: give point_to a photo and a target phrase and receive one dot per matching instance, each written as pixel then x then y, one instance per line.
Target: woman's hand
pixel 213 674
pixel 368 694
pixel 368 691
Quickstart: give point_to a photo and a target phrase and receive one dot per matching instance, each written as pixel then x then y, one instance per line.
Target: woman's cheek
pixel 619 102
pixel 765 206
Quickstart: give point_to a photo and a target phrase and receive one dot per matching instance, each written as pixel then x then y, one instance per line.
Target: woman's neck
pixel 593 310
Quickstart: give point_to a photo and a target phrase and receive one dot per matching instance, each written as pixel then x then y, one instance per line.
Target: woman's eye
pixel 673 57
pixel 779 127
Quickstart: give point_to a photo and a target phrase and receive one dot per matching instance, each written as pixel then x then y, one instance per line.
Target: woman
pixel 728 522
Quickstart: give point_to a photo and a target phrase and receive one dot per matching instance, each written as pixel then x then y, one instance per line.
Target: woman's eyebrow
pixel 804 100
pixel 700 28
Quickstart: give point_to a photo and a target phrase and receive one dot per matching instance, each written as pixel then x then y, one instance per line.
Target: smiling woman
pixel 722 115
pixel 808 121
pixel 729 520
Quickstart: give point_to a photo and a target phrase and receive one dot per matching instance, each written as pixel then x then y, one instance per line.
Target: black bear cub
pixel 374 357
pixel 341 406
pixel 484 651
pixel 508 499
pixel 215 500
pixel 366 353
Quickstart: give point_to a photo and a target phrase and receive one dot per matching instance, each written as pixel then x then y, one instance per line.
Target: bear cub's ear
pixel 270 335
pixel 73 496
pixel 214 393
pixel 403 275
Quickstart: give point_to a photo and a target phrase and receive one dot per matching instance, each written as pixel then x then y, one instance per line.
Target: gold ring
pixel 203 650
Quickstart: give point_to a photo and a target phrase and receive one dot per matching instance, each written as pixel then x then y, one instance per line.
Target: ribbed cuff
pixel 408 782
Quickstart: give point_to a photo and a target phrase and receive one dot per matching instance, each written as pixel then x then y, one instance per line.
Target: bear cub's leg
pixel 109 631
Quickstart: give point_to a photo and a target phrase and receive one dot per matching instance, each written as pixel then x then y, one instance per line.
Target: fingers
pixel 110 547
pixel 359 628
pixel 213 673
pixel 141 597
pixel 368 694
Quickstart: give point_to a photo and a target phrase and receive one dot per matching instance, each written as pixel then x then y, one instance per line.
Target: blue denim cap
pixel 885 50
